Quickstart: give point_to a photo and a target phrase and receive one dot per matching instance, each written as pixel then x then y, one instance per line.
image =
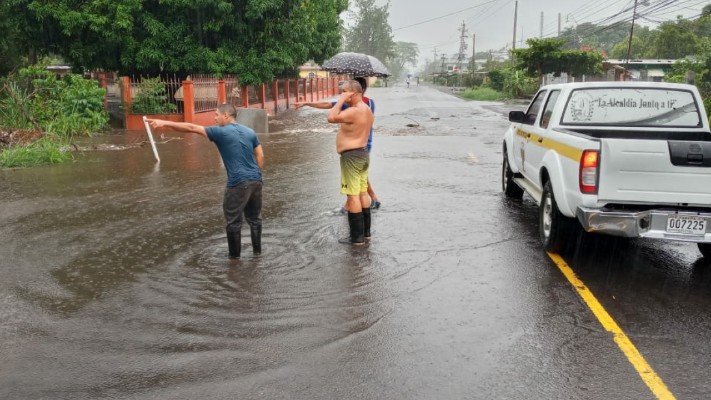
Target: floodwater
pixel 116 282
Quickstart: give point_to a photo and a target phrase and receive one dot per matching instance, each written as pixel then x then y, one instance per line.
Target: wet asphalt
pixel 116 282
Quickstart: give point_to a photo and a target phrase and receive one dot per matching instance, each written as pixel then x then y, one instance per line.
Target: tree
pixel 579 63
pixel 677 40
pixel 588 35
pixel 545 56
pixel 680 69
pixel 11 56
pixel 541 56
pixel 642 42
pixel 406 53
pixel 254 39
pixel 370 33
pixel 23 38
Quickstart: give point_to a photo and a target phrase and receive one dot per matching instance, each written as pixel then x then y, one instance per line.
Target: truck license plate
pixel 686 225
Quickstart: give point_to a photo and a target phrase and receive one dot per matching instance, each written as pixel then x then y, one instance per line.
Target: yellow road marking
pixel 645 371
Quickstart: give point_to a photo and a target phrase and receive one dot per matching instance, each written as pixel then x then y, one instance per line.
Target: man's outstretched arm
pixel 324 105
pixel 178 126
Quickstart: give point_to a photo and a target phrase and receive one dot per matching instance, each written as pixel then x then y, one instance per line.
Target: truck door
pixel 527 151
pixel 524 131
pixel 539 141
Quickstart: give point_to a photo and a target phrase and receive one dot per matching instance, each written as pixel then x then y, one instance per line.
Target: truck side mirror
pixel 517 116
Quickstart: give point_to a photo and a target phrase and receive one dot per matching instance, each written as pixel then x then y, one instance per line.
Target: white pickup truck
pixel 630 159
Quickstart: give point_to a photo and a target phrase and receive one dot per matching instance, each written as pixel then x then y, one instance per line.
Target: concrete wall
pixel 255 118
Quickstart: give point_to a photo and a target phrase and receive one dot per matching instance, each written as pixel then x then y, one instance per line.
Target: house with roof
pixel 648 70
pixel 311 70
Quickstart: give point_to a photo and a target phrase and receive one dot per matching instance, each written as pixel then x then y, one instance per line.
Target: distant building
pixel 60 70
pixel 311 70
pixel 648 70
pixel 452 65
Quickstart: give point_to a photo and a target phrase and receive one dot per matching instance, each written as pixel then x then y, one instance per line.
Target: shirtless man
pixel 327 105
pixel 356 122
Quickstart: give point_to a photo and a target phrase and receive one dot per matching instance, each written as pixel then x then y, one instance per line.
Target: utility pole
pixel 629 45
pixel 462 46
pixel 513 47
pixel 473 67
pixel 443 58
pixel 434 63
pixel 541 34
pixel 558 24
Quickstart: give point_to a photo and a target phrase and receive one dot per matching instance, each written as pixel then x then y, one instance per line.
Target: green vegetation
pixel 54 109
pixel 370 33
pixel 37 99
pixel 254 39
pixel 544 56
pixel 42 152
pixel 482 94
pixel 152 98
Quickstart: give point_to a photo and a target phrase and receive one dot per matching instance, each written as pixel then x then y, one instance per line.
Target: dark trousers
pixel 245 198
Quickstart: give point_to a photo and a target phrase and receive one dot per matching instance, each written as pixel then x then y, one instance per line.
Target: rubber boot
pixel 234 243
pixel 355 222
pixel 366 223
pixel 256 233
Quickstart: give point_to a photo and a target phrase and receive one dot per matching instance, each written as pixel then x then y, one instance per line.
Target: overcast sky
pixel 435 24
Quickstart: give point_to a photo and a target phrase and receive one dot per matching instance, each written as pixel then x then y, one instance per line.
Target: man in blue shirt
pixel 243 157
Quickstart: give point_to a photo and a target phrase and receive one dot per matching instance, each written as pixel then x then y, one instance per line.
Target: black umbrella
pixel 356 64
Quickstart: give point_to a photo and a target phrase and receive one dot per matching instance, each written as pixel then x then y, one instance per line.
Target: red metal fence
pixel 195 99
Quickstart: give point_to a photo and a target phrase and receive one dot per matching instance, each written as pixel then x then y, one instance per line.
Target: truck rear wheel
pixel 511 189
pixel 705 249
pixel 554 227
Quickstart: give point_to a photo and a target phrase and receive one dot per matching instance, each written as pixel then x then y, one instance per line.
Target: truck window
pixel 638 106
pixel 535 108
pixel 548 110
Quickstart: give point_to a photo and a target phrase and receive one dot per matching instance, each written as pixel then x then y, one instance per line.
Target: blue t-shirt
pixel 370 104
pixel 236 144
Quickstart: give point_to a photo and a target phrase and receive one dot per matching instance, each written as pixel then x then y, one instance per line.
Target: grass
pixel 42 152
pixel 482 94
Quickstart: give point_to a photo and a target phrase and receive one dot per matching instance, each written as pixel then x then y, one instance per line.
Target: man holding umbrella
pixel 356 122
pixel 326 105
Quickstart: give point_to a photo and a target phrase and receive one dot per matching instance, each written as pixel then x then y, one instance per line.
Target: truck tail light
pixel 589 165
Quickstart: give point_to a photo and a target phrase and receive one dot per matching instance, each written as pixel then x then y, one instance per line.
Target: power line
pixel 444 16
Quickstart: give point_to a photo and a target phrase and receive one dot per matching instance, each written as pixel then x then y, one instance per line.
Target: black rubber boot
pixel 234 243
pixel 256 233
pixel 366 223
pixel 355 222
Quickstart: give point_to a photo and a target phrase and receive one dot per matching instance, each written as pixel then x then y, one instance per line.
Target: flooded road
pixel 116 282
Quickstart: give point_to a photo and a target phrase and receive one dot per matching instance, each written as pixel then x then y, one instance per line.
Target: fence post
pixel 245 96
pixel 221 92
pixel 106 92
pixel 263 95
pixel 311 88
pixel 126 92
pixel 188 101
pixel 275 94
pixel 286 91
pixel 303 86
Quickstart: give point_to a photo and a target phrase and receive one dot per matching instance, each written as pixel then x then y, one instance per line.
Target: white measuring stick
pixel 150 137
